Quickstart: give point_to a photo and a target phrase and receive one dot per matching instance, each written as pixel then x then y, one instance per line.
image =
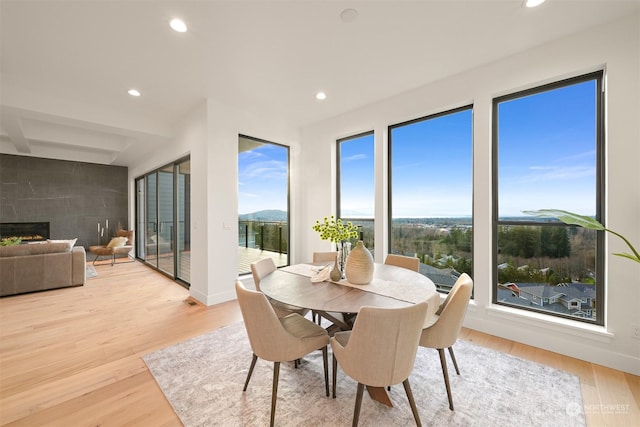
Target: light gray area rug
pixel 91 272
pixel 203 379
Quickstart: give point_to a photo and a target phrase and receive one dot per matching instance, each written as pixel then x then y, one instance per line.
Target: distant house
pixel 515 290
pixel 443 278
pixel 574 299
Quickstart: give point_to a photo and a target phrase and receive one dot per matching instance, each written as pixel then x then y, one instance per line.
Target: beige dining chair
pixel 278 339
pixel 262 268
pixel 446 324
pixel 380 350
pixel 325 256
pixel 410 263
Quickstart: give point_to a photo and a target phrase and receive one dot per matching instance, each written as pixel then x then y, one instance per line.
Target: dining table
pixel 340 301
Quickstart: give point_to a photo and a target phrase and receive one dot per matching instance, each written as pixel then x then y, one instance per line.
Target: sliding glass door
pixel 183 223
pixel 163 213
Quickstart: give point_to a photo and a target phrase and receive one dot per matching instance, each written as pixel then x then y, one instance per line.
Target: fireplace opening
pixel 26 231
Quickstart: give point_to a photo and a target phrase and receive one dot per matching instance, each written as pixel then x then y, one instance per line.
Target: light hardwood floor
pixel 72 357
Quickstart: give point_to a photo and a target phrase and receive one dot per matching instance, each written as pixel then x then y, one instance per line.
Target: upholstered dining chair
pixel 380 350
pixel 410 263
pixel 278 339
pixel 445 327
pixel 330 256
pixel 260 269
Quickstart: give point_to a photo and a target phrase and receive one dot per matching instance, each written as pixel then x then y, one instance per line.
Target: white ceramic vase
pixel 359 269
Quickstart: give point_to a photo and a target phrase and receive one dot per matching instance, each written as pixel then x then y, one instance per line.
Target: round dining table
pixel 391 287
pixel 301 285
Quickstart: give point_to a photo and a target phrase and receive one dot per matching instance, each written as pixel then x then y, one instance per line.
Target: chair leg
pixel 326 369
pixel 412 402
pixel 356 410
pixel 445 373
pixel 274 391
pixel 253 364
pixel 453 358
pixel 335 372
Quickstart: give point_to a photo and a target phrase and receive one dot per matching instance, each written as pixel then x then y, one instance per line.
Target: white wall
pixel 210 135
pixel 190 139
pixel 615 47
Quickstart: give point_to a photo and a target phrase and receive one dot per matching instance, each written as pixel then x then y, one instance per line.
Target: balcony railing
pixel 265 235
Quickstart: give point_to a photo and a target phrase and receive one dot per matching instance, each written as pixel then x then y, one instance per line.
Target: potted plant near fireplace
pixel 10 241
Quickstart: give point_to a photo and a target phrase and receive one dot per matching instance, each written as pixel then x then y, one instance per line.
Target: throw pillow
pixel 117 242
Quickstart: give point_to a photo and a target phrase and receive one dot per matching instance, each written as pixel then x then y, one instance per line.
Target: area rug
pixel 203 379
pixel 91 272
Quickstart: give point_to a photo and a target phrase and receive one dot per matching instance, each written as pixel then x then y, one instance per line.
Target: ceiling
pixel 66 65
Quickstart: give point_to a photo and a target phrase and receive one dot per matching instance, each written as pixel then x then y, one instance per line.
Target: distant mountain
pixel 266 215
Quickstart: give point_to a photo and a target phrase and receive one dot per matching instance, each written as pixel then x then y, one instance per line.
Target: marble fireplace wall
pixel 72 196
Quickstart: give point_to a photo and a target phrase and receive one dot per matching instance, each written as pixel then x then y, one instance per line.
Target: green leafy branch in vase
pixel 335 230
pixel 586 222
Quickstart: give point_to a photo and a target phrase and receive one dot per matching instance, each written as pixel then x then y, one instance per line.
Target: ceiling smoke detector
pixel 348 15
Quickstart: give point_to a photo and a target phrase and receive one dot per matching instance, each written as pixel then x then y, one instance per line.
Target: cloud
pixel 268 170
pixel 355 157
pixel 554 173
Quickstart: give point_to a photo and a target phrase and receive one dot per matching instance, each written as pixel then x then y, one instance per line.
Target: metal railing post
pixel 262 236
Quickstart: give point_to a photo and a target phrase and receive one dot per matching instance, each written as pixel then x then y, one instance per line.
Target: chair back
pixel 410 263
pixel 444 332
pixel 325 256
pixel 383 343
pixel 261 268
pixel 268 338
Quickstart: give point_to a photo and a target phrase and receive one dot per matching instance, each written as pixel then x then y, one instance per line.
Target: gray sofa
pixel 38 267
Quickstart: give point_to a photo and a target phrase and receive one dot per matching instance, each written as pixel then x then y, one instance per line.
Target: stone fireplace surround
pixel 71 196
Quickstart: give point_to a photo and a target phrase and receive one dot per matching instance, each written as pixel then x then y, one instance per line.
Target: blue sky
pixel 546 160
pixel 431 162
pixel 547 151
pixel 262 179
pixel 357 177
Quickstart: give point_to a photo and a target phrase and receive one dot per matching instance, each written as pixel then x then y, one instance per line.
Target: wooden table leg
pixel 380 394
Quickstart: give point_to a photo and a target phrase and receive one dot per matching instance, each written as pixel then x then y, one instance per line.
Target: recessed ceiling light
pixel 348 15
pixel 321 96
pixel 134 92
pixel 533 3
pixel 178 25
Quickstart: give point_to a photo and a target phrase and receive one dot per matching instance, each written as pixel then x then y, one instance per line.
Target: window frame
pixel 263 141
pixel 390 128
pixel 600 264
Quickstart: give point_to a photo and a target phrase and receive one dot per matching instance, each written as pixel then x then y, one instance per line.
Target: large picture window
pixel 356 198
pixel 548 148
pixel 431 194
